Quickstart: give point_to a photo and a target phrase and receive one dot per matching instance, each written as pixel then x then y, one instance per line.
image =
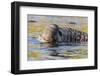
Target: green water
pixel 47 51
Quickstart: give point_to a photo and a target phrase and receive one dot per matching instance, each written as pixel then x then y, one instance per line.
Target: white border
pixel 26 65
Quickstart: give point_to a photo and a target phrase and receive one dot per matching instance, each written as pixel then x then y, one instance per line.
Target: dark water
pixel 47 51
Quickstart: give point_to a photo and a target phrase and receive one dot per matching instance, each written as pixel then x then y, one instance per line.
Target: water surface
pixel 47 51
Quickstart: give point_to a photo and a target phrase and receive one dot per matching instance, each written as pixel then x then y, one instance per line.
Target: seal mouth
pixel 44 39
pixel 41 39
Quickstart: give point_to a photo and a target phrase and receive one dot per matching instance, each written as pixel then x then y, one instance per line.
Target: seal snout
pixel 48 33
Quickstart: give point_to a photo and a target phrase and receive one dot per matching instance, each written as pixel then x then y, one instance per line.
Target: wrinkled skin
pixel 52 33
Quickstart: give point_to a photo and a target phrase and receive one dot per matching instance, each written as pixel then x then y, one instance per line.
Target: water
pixel 47 51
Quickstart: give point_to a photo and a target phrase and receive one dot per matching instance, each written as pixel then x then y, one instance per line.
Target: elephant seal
pixel 52 33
